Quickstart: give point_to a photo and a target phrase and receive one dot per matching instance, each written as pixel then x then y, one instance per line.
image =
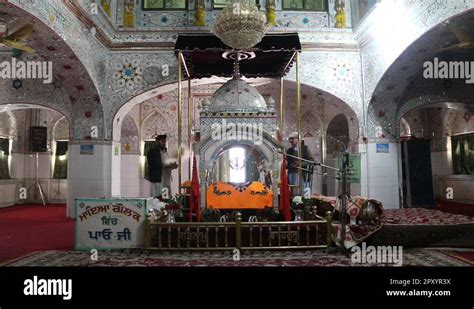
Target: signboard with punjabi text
pixel 353 168
pixel 110 223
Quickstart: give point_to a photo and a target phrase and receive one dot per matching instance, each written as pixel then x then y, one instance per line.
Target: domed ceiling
pixel 403 85
pixel 237 96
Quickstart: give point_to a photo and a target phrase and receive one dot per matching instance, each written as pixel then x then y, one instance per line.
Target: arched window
pixel 60 138
pixel 236 163
pixel 337 135
pixel 305 5
pixel 4 154
pixel 7 134
pixel 60 162
pixel 158 5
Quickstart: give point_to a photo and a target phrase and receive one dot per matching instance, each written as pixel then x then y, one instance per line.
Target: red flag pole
pixel 195 194
pixel 285 192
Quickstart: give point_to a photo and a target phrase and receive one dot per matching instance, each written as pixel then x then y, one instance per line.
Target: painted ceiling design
pixel 403 86
pixel 393 87
pixel 92 85
pixel 72 91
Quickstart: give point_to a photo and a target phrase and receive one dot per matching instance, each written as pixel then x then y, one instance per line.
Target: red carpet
pixel 28 228
pixel 422 216
pixel 313 258
pixel 455 207
pixel 465 256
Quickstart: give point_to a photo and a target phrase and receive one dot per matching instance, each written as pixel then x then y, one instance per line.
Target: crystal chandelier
pixel 240 25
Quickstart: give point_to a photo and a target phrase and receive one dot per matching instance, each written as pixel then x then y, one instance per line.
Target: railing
pixel 241 235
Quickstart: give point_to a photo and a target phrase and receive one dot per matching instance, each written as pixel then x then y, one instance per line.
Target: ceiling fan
pixel 13 40
pixel 466 41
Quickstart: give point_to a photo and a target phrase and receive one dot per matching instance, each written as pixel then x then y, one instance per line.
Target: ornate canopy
pixel 204 55
pixel 237 102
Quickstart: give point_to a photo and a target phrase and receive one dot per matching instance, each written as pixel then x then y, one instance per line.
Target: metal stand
pixel 37 183
pixel 342 213
pixel 343 178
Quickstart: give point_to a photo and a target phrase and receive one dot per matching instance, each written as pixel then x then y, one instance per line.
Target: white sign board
pixel 110 223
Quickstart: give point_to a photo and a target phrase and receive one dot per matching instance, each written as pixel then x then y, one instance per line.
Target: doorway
pixel 416 174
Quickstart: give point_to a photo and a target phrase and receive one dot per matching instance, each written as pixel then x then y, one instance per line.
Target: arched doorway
pixel 408 91
pixel 154 112
pixel 18 163
pixel 130 158
pixel 337 143
pixel 318 109
pixel 66 87
pixel 437 154
pixel 137 124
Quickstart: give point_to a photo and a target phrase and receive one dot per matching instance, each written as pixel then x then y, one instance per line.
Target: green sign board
pixel 353 172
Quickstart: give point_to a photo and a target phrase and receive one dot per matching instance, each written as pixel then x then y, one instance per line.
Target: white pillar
pixel 92 175
pixel 380 176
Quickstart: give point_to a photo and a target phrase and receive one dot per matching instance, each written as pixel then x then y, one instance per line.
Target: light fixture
pixel 241 25
pixel 62 158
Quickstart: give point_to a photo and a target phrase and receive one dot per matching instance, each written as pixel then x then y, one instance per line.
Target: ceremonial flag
pixel 284 192
pixel 195 195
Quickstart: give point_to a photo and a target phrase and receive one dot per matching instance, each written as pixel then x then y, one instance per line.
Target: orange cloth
pixel 223 195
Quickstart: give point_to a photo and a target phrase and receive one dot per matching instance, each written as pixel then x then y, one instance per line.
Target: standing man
pixel 159 167
pixel 293 163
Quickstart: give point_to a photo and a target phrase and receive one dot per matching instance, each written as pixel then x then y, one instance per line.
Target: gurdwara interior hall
pixel 297 129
